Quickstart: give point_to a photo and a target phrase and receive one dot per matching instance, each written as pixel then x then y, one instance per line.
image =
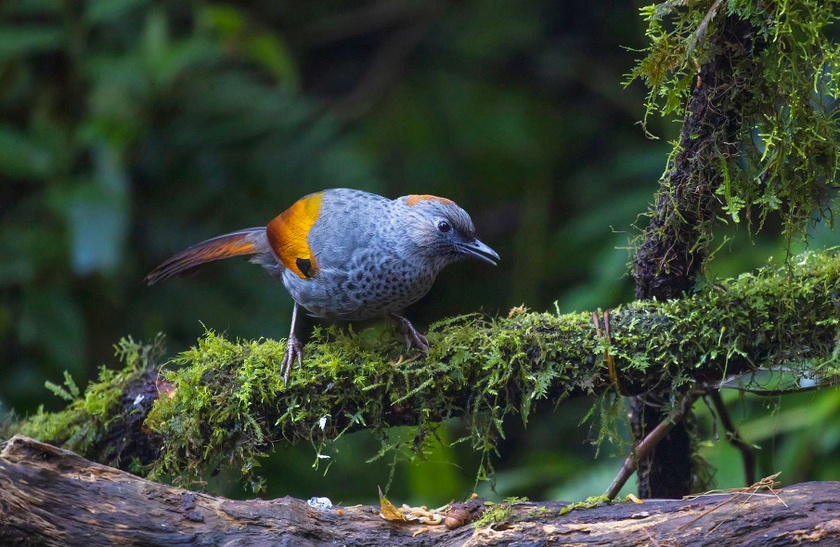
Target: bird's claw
pixel 410 335
pixel 294 352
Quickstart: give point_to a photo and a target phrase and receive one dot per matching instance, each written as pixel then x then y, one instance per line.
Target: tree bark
pixel 675 243
pixel 51 496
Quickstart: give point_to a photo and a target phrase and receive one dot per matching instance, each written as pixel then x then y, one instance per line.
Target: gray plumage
pixel 359 256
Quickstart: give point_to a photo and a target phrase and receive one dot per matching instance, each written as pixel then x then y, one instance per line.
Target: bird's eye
pixel 444 226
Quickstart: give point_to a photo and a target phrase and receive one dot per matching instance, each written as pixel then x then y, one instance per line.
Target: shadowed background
pixel 131 129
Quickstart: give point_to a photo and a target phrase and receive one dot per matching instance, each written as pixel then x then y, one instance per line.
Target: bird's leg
pixel 293 350
pixel 410 334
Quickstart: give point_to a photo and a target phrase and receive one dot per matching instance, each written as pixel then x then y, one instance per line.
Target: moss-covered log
pixel 51 496
pixel 224 401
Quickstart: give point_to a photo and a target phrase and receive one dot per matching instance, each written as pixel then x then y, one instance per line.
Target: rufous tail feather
pixel 243 242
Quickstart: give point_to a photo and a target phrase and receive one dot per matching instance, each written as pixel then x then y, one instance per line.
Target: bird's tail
pixel 243 242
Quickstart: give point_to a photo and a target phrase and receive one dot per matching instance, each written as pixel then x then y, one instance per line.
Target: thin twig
pixel 646 446
pixel 734 437
pixel 768 483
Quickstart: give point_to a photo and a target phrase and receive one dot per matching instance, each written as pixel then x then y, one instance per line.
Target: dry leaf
pixel 418 515
pixel 387 509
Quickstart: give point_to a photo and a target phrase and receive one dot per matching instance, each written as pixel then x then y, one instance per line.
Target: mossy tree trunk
pixel 670 259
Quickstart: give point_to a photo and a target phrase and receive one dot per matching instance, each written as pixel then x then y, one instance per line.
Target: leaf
pixel 97 213
pixel 156 36
pixel 416 515
pixel 226 20
pixel 181 56
pixel 271 53
pixel 21 156
pixel 387 509
pixel 28 39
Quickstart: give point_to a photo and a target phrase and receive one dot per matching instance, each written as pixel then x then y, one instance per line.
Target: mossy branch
pixel 223 401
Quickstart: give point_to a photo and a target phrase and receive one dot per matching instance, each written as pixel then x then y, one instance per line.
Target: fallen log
pixel 51 496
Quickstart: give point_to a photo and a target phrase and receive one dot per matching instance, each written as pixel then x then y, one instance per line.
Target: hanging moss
pixel 782 81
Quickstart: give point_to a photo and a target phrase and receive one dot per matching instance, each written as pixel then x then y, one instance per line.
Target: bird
pixel 346 254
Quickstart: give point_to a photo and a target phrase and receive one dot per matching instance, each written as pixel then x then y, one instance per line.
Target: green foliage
pixel 787 87
pixel 70 394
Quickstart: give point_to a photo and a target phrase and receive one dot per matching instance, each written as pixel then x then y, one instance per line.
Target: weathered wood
pixel 51 496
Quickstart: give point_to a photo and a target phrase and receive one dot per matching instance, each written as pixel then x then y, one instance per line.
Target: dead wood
pixel 51 496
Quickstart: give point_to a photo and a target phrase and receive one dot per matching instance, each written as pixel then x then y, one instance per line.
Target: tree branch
pixel 225 401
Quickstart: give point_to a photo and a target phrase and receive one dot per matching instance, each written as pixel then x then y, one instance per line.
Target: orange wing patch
pixel 288 235
pixel 414 199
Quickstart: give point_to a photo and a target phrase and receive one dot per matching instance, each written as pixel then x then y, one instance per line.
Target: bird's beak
pixel 479 250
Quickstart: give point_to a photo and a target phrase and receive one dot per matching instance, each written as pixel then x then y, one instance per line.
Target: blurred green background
pixel 130 129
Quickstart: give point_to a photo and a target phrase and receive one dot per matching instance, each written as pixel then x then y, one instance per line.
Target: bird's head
pixel 443 232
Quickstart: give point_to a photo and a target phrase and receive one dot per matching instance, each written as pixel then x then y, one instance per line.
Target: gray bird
pixel 349 255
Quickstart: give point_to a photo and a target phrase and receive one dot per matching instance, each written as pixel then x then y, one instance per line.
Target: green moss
pixel 498 512
pixel 785 86
pixel 229 394
pixel 539 512
pixel 227 404
pixel 589 503
pixel 81 424
pixel 230 405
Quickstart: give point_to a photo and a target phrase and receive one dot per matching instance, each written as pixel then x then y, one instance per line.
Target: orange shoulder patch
pixel 414 199
pixel 288 235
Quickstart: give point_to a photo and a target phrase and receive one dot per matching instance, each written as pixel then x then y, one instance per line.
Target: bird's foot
pixel 410 334
pixel 294 352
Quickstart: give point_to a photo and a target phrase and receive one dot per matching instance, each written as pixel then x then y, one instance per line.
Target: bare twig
pixel 734 437
pixel 647 445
